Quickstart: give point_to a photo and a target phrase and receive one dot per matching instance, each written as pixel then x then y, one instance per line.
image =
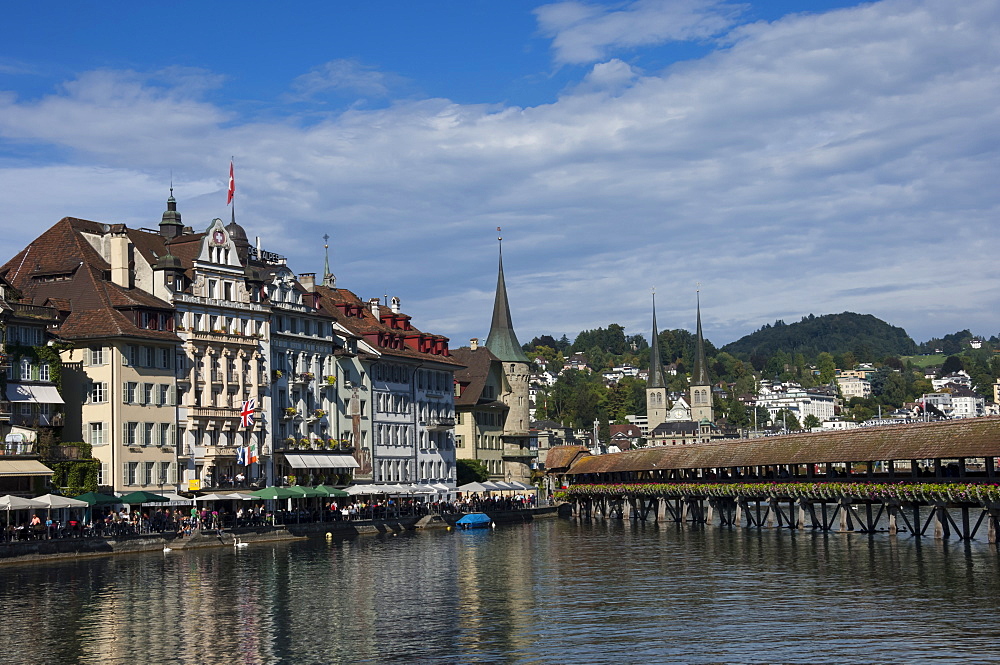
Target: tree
pixel 811 421
pixel 952 364
pixel 470 471
pixel 826 366
pixel 787 420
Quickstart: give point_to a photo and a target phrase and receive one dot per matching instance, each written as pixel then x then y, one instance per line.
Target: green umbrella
pixel 306 492
pixel 276 493
pixel 98 499
pixel 142 497
pixel 331 491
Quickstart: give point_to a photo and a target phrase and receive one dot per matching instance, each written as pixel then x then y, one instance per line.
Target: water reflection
pixel 545 592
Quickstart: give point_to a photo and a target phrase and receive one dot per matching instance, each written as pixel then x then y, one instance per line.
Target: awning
pixel 24 467
pixel 321 461
pixel 38 394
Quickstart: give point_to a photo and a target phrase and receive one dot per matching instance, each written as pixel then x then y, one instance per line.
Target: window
pixel 148 431
pixel 129 390
pixel 147 476
pixel 26 369
pixel 97 355
pixel 129 433
pixel 98 392
pixel 164 358
pixel 164 397
pixel 43 372
pixel 129 472
pixel 131 355
pixel 148 356
pixel 102 474
pixel 95 433
pixel 147 394
pixel 165 435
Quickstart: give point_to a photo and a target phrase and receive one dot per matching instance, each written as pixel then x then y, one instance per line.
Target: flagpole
pixel 232 188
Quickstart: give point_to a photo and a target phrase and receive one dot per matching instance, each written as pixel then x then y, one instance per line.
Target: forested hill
pixel 862 334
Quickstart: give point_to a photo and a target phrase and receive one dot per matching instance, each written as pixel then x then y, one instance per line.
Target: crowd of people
pixel 123 521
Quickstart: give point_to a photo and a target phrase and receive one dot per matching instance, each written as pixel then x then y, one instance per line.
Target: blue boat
pixel 474 521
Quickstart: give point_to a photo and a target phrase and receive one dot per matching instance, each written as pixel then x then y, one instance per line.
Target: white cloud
pixel 344 76
pixel 820 163
pixel 583 32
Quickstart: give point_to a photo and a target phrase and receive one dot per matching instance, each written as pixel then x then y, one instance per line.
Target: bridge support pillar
pixel 661 509
pixel 992 517
pixel 627 508
pixel 800 522
pixel 893 509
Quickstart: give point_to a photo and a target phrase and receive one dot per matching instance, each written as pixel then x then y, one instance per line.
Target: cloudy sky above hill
pixel 789 162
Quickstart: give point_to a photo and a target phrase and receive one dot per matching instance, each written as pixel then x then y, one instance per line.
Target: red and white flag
pixel 232 185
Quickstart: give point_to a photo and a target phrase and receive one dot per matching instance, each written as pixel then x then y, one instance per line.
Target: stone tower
pixel 656 384
pixel 701 386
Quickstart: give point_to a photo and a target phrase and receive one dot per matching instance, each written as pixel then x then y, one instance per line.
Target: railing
pixel 213 412
pixel 37 419
pixel 440 424
pixel 23 448
pixel 34 311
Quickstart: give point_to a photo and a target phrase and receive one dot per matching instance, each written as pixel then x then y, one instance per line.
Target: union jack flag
pixel 246 413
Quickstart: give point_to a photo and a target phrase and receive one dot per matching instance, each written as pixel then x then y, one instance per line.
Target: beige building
pixel 481 415
pixel 118 377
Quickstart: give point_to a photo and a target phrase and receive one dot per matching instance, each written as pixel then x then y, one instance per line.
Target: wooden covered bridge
pixel 901 478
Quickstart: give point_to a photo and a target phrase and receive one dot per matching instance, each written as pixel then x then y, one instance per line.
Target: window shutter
pixel 86 432
pixel 125 478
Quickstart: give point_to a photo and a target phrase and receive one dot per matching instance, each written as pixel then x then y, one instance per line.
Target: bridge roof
pixel 974 437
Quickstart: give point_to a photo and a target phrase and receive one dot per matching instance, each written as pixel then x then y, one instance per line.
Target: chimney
pixel 373 305
pixel 474 343
pixel 395 305
pixel 120 250
pixel 308 281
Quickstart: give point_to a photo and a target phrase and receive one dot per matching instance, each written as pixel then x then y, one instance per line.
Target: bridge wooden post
pixel 661 509
pixel 992 517
pixel 710 511
pixel 626 511
pixel 773 513
pixel 800 522
pixel 738 519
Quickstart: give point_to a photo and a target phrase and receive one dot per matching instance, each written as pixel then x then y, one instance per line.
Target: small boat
pixel 474 521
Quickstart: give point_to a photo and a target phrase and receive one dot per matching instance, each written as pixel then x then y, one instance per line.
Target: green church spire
pixel 502 341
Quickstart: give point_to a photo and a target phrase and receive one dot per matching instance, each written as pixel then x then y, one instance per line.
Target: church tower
pixel 516 367
pixel 656 384
pixel 701 386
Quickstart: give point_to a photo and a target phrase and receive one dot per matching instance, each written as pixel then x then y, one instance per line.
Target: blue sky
pixel 789 161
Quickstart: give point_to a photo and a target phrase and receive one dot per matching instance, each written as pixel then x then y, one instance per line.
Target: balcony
pixel 214 412
pixel 441 424
pixel 224 338
pixel 511 451
pixel 36 419
pixel 302 377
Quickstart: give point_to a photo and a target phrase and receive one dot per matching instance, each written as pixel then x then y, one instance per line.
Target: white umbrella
pixel 214 497
pixel 56 501
pixel 424 489
pixel 441 487
pixel 11 502
pixel 474 487
pixel 491 486
pixel 239 496
pixel 354 490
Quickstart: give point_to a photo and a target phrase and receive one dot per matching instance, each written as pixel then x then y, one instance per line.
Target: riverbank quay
pixel 35 551
pixel 960 509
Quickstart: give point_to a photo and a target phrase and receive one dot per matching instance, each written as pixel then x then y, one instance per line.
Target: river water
pixel 554 591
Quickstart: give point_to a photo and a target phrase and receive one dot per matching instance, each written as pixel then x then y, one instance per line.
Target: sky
pixel 776 158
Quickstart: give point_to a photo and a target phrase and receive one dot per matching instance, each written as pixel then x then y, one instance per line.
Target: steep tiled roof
pixel 364 324
pixel 474 375
pixel 561 457
pixel 979 437
pixel 62 269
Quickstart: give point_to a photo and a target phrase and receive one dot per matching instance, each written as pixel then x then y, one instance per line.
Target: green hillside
pixel 863 335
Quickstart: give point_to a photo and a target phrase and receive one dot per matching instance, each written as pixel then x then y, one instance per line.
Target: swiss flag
pixel 232 185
